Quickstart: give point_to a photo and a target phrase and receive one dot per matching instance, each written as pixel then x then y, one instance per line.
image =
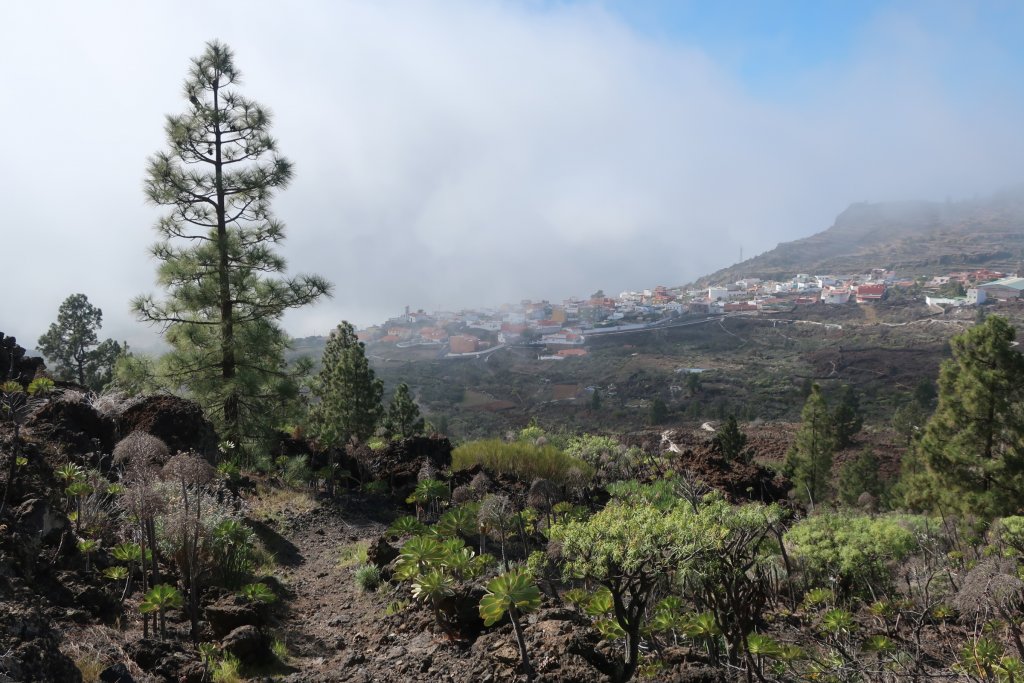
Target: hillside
pixel 909 237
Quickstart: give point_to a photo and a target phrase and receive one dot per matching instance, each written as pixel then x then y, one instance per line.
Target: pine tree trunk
pixel 227 322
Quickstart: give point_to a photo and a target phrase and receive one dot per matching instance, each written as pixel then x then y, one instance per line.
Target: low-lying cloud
pixel 452 153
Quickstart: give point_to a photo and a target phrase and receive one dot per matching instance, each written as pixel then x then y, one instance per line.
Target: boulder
pixel 230 613
pixel 381 553
pixel 399 462
pixel 177 421
pixel 117 673
pixel 247 643
pixel 15 364
pixel 70 421
pixel 31 646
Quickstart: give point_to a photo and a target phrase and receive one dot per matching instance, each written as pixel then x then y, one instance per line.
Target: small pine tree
pixel 809 461
pixel 403 418
pixel 595 400
pixel 347 389
pixel 731 442
pixel 659 411
pixel 847 418
pixel 859 476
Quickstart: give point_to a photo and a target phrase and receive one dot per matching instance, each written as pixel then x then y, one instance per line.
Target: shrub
pixel 856 549
pixel 367 577
pixel 227 670
pixel 233 550
pixel 140 448
pixel 258 593
pixel 519 459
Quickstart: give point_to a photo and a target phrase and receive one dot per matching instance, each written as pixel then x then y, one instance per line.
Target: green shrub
pixel 519 459
pixel 367 577
pixel 234 552
pixel 856 549
pixel 258 592
pixel 591 448
pixel 296 471
pixel 662 493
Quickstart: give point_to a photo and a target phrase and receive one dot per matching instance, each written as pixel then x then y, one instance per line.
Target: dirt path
pixel 325 612
pixel 336 632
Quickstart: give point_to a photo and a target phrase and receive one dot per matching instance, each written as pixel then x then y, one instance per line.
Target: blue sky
pixel 455 153
pixel 771 46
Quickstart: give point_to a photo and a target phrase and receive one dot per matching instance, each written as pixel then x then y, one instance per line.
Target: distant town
pixel 560 330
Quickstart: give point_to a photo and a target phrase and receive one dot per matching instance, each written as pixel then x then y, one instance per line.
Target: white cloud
pixel 458 152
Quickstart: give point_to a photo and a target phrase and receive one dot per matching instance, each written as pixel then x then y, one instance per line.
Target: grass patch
pixel 274 503
pixel 353 554
pixel 522 460
pixel 227 670
pixel 280 650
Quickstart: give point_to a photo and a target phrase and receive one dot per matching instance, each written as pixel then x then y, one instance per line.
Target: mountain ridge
pixel 912 237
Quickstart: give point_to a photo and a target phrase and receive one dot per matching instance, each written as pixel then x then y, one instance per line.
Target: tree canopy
pixel 973 445
pixel 347 390
pixel 809 461
pixel 73 347
pixel 224 278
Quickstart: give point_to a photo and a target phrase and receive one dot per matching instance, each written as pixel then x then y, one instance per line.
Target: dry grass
pixel 275 503
pixel 94 648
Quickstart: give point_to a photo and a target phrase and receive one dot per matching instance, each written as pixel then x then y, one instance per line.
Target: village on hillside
pixel 559 330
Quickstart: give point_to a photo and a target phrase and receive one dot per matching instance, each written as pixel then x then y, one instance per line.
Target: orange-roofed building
pixel 868 293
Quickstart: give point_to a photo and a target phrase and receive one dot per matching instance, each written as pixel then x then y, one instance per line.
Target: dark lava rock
pixel 229 613
pixel 381 553
pixel 31 647
pixel 178 422
pixel 147 653
pixel 400 461
pixel 118 673
pixel 71 421
pixel 15 364
pixel 247 643
pixel 169 661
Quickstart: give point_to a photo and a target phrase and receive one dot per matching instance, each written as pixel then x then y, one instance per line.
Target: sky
pixel 457 153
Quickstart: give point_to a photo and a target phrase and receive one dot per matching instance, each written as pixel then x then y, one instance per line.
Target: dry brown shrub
pixel 140 448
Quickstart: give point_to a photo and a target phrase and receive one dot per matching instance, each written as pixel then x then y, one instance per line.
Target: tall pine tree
pixel 809 461
pixel 973 446
pixel 226 292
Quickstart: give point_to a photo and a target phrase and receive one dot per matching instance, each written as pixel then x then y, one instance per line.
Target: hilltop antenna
pixel 741 254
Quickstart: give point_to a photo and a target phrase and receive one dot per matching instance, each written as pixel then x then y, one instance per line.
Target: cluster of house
pixel 562 328
pixel 978 286
pixel 478 331
pixel 753 294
